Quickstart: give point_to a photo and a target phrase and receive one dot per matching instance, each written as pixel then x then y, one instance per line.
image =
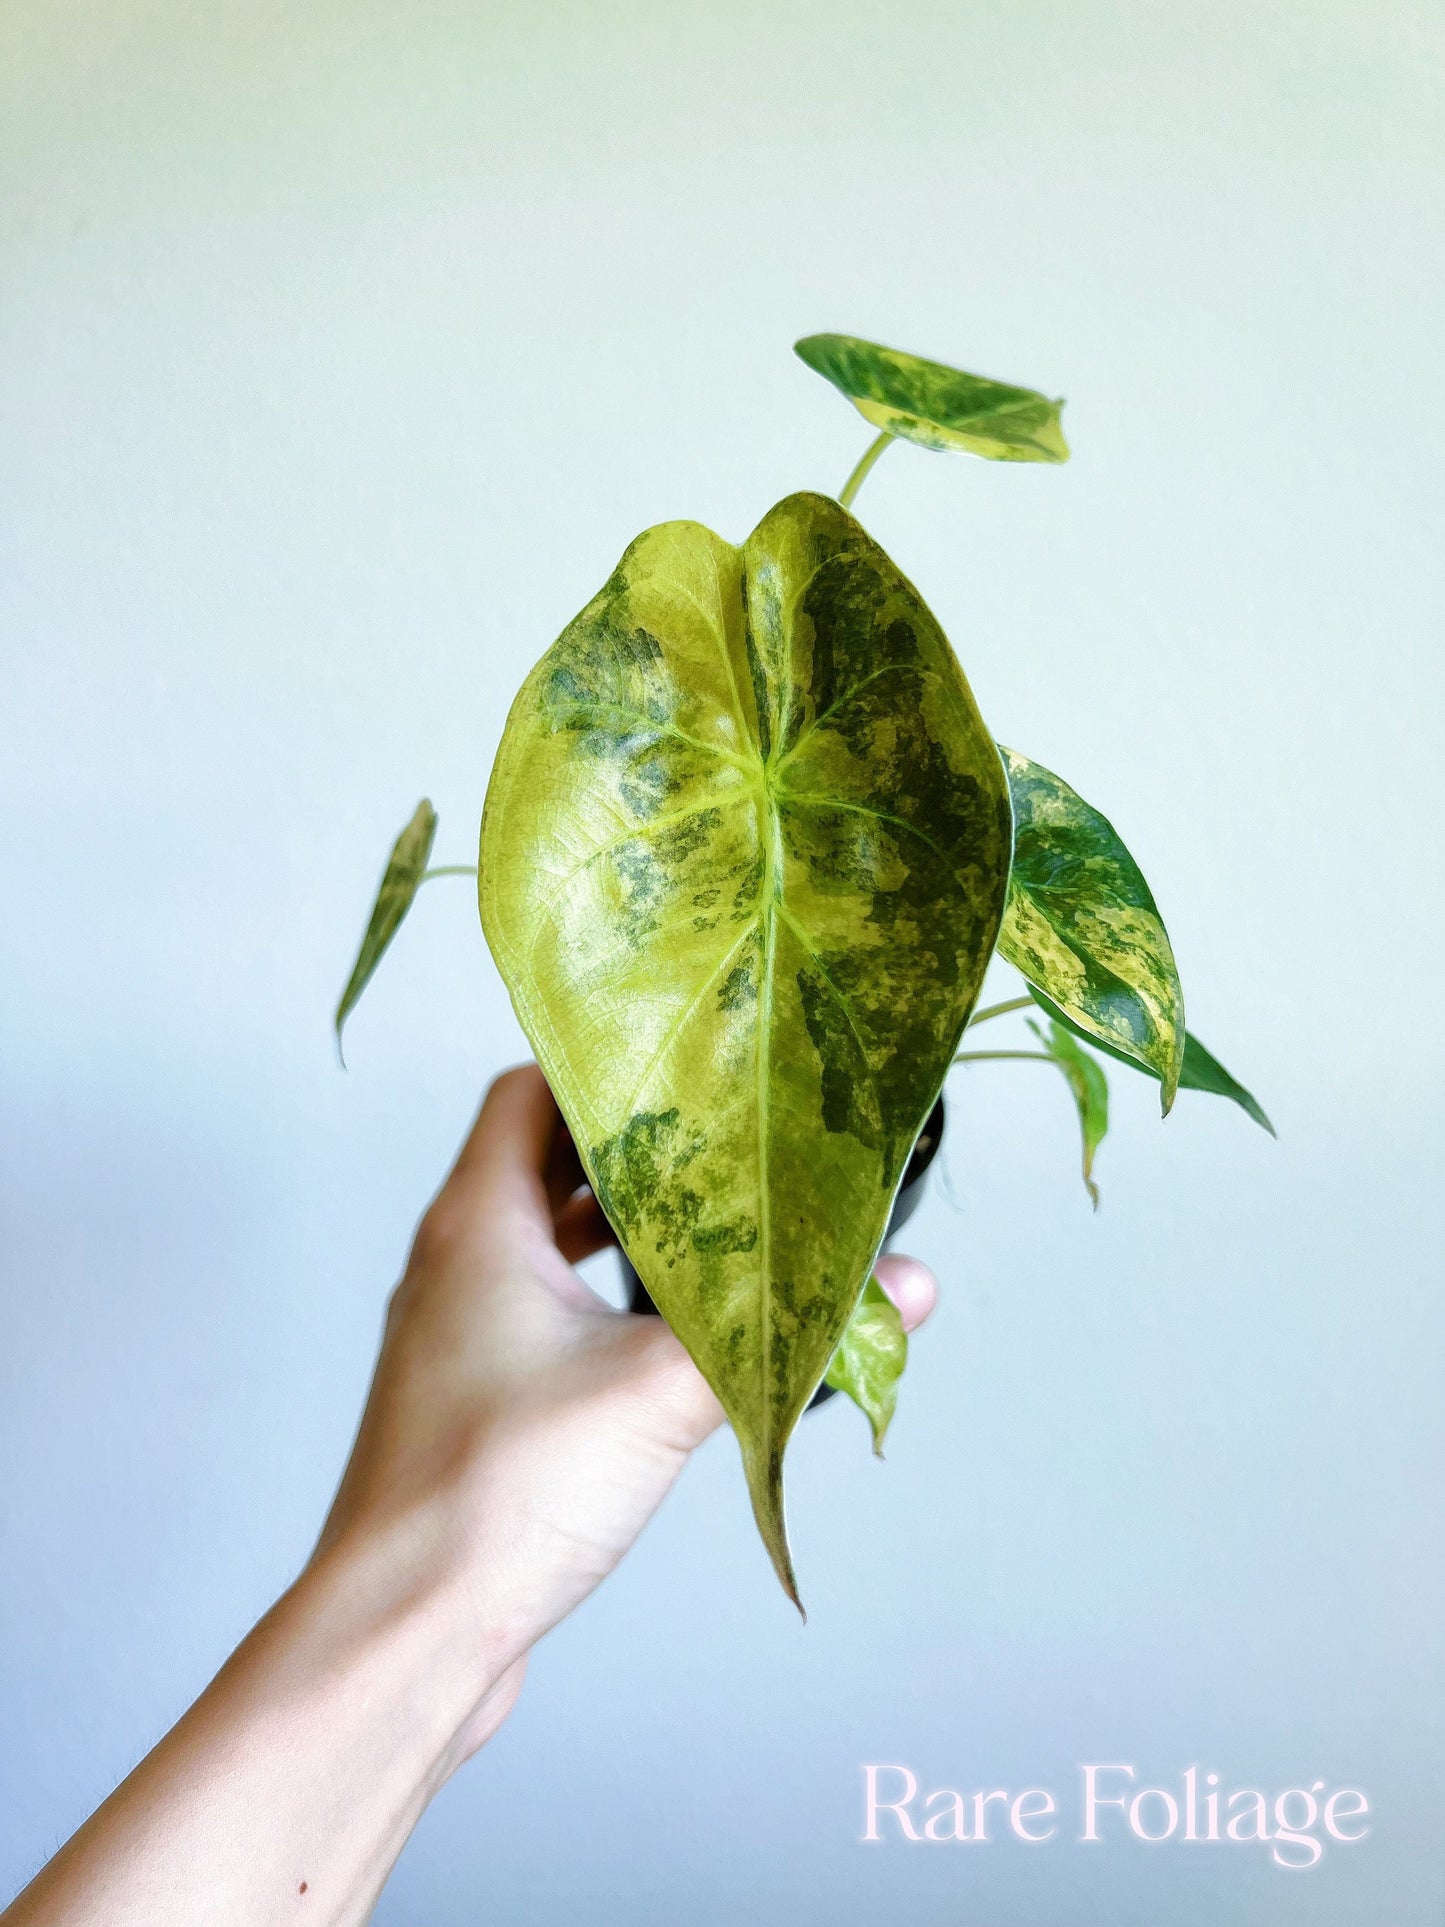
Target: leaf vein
pixel 839 702
pixel 637 834
pixel 864 809
pixel 676 1028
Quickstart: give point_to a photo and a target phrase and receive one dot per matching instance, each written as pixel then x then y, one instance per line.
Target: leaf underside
pixel 937 406
pixel 1201 1070
pixel 1089 1088
pixel 1082 925
pixel 870 1359
pixel 744 857
pixel 400 881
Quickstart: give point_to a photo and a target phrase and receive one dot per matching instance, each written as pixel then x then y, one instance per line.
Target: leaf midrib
pixel 770 823
pixel 810 949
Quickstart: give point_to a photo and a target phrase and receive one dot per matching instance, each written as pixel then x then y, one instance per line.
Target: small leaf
pixel 405 868
pixel 1201 1071
pixel 870 1359
pixel 745 852
pixel 1082 926
pixel 1085 1078
pixel 937 406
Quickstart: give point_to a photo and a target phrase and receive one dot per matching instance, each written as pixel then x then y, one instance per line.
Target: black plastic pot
pixel 910 1196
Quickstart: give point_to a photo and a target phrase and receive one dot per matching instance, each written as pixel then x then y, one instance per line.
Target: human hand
pixel 520 1432
pixel 518 1435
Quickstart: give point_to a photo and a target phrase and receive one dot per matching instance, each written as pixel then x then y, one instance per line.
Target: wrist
pixel 382 1609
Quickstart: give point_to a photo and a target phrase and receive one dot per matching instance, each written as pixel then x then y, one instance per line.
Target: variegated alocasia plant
pixel 747 852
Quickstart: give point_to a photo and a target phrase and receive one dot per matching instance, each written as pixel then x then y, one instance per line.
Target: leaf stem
pixel 996 1056
pixel 860 474
pixel 448 870
pixel 1000 1010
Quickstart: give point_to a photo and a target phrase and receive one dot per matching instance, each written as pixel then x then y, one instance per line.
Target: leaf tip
pixel 784 1568
pixel 765 1488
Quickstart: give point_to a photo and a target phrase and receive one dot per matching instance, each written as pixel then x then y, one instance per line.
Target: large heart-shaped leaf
pixel 402 878
pixel 1082 926
pixel 1201 1069
pixel 744 858
pixel 938 406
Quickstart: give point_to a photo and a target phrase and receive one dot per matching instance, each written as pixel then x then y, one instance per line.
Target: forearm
pixel 518 1436
pixel 290 1787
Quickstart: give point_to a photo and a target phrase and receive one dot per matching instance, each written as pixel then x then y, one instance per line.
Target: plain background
pixel 342 350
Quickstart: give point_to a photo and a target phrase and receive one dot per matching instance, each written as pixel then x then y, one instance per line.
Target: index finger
pixel 502 1162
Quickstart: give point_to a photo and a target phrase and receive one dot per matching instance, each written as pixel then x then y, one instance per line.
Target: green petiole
pixel 991 1011
pixel 996 1056
pixel 860 474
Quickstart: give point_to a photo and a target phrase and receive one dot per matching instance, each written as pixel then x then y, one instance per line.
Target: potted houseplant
pixel 747 851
